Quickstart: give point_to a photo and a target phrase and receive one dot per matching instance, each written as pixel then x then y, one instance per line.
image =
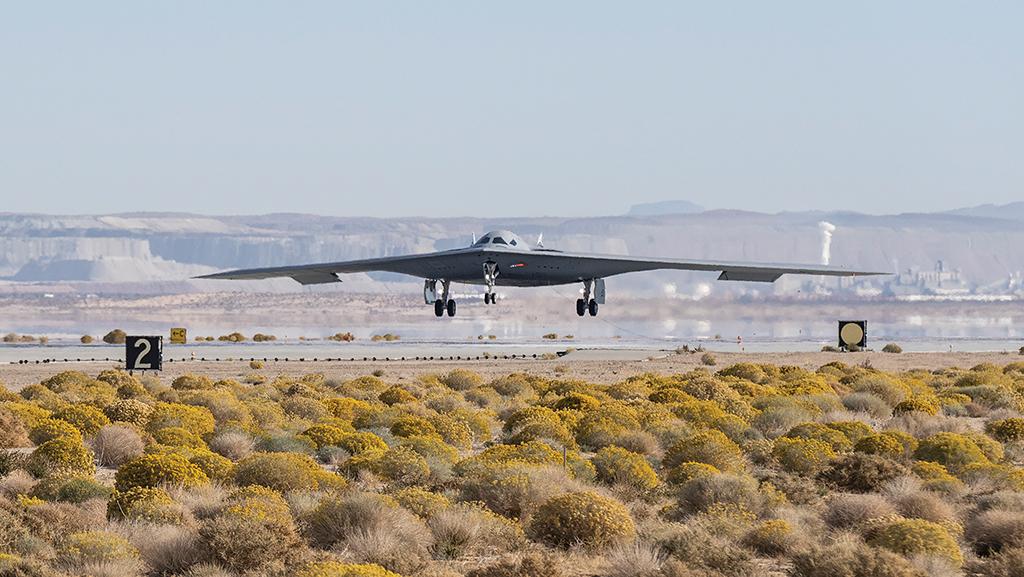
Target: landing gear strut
pixel 586 304
pixel 444 304
pixel 490 277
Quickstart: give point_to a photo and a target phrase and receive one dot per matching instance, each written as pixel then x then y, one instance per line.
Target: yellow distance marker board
pixel 853 334
pixel 179 336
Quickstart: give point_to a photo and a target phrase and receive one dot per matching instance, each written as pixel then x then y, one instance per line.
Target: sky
pixel 527 108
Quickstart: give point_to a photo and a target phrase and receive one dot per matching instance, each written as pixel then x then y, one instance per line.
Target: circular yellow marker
pixel 852 334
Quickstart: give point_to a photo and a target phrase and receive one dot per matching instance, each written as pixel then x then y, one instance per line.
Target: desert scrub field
pixel 742 470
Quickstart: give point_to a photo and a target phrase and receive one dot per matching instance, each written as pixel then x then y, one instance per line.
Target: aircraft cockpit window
pixel 498 240
pixel 513 242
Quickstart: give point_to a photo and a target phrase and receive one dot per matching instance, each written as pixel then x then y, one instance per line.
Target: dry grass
pixel 115 445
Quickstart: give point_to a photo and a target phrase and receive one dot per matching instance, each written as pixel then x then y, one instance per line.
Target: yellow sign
pixel 178 336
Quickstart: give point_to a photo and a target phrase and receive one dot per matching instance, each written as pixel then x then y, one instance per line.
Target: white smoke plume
pixel 826 228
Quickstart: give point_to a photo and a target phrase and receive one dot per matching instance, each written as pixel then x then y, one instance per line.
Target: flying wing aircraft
pixel 502 258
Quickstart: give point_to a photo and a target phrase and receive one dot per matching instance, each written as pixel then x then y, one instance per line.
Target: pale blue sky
pixel 519 108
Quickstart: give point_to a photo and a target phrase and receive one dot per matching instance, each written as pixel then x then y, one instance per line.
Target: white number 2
pixel 145 345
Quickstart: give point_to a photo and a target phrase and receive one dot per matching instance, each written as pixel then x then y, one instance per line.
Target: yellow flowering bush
pixel 86 418
pixel 710 447
pixel 916 536
pixel 951 450
pixel 49 429
pixel 338 569
pixel 616 465
pixel 130 411
pixel 61 456
pixel 199 420
pixel 156 470
pixel 283 472
pixel 327 435
pixel 802 456
pixel 582 518
pixel 151 504
pixel 1006 430
pixel 88 547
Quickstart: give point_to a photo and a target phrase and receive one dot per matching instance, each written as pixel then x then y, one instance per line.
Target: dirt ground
pixel 591 365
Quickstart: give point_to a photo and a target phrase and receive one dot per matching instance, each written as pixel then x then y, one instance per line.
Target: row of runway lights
pixel 286 359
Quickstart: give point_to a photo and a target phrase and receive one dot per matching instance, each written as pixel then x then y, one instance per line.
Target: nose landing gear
pixel 490 277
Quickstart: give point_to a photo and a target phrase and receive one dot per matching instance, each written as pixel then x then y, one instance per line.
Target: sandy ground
pixel 591 365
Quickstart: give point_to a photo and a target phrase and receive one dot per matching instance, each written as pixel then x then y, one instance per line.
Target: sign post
pixel 143 353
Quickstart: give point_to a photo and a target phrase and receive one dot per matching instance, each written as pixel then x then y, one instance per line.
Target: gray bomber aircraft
pixel 502 258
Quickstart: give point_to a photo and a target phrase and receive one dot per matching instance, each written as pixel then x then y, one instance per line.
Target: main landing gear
pixel 442 305
pixel 587 304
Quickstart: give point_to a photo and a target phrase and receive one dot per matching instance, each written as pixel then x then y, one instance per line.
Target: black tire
pixel 581 307
pixel 439 308
pixel 592 307
pixel 451 308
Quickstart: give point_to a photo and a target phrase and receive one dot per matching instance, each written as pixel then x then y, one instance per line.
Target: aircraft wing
pixel 431 265
pixel 601 266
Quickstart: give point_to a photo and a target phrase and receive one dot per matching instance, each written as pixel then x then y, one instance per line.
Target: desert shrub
pixel 337 569
pixel 1006 430
pixel 704 492
pixel 992 449
pixel 12 431
pixel 923 505
pixel 470 530
pixel 168 549
pixel 346 408
pixel 685 472
pixel 338 516
pixel 918 404
pixel 114 445
pixel 284 472
pixel 454 431
pixel 582 518
pixel 225 407
pixel 87 547
pixel 884 445
pixel 892 348
pixel 362 442
pixel 423 503
pixel 50 429
pixel 850 558
pixel 854 430
pixel 773 538
pixel 150 504
pixel 122 381
pixel 401 466
pixel 27 414
pixel 616 465
pixel 951 450
pixel 232 444
pixel 1000 477
pixel 10 461
pixel 802 456
pixel 433 449
pixel 129 411
pixel 995 530
pixel 214 466
pixel 865 402
pixel 862 473
pixel 254 532
pixel 819 432
pixel 326 435
pixel 854 511
pixel 75 489
pixel 461 379
pixel 156 470
pixel 191 382
pixel 88 420
pixel 936 477
pixel 178 437
pixel 199 420
pixel 61 456
pixel 709 446
pixel 747 371
pixel 916 537
pixel 412 426
pixel 115 337
pixel 529 564
pixel 396 395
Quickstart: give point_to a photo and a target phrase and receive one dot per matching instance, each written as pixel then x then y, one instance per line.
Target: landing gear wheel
pixel 439 308
pixel 592 307
pixel 488 298
pixel 581 307
pixel 451 308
